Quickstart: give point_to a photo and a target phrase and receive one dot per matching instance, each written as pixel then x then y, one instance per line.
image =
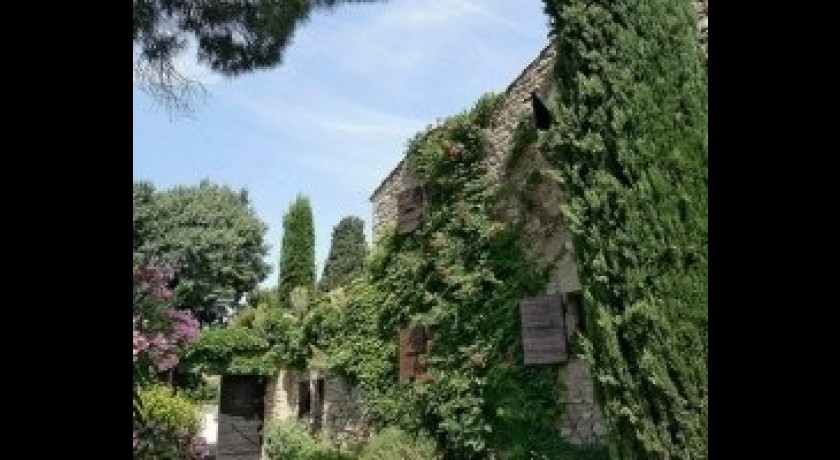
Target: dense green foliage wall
pixel 259 340
pixel 462 273
pixel 631 150
pixel 348 251
pixel 297 257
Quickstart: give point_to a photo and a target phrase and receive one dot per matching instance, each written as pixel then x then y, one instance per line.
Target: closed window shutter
pixel 414 345
pixel 411 209
pixel 543 330
pixel 406 359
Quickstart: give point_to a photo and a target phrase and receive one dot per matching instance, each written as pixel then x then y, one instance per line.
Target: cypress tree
pixel 348 250
pixel 631 150
pixel 297 258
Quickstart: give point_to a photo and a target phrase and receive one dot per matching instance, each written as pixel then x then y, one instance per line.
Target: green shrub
pixel 290 440
pixel 297 250
pixel 393 443
pixel 170 423
pixel 198 388
pixel 272 340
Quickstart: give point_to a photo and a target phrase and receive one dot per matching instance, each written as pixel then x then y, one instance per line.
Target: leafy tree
pixel 262 296
pixel 209 234
pixel 143 213
pixel 631 150
pixel 348 250
pixel 297 258
pixel 231 36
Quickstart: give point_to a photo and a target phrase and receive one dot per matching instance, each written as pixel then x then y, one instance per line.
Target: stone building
pixel 320 400
pixel 582 422
pixel 330 406
pixel 532 200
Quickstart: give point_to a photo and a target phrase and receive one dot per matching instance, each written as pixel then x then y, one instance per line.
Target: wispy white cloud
pixel 411 38
pixel 335 117
pixel 350 143
pixel 290 113
pixel 188 67
pixel 518 28
pixel 349 84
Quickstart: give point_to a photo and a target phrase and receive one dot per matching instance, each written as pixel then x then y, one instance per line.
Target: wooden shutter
pixel 414 345
pixel 543 330
pixel 422 368
pixel 411 209
pixel 406 358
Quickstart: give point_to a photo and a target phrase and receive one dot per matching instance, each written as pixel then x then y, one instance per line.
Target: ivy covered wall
pixel 630 152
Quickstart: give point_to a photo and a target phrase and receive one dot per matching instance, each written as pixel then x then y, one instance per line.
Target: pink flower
pixel 155 280
pixel 140 343
pixel 185 327
pixel 166 362
pixel 197 448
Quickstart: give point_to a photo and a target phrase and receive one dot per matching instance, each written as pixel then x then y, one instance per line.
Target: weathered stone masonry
pixel 582 421
pixel 536 76
pixel 534 205
pixel 341 417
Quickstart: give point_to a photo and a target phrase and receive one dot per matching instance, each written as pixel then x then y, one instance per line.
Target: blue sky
pixel 356 83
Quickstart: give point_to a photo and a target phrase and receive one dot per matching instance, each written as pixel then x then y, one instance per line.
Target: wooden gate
pixel 241 416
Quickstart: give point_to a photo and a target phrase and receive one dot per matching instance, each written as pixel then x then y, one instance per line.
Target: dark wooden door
pixel 241 404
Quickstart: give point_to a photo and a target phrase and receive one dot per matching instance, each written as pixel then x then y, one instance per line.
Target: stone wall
pixel 582 421
pixel 341 419
pixel 384 198
pixel 281 396
pixel 510 109
pixel 531 199
pixel 514 105
pixel 702 7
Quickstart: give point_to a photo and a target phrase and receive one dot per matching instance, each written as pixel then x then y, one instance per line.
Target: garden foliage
pixel 297 251
pixel 291 440
pixel 209 234
pixel 348 252
pixel 462 274
pixel 393 443
pixel 165 425
pixel 170 426
pixel 631 154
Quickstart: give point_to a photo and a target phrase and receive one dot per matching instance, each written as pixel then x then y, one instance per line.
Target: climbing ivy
pixel 524 135
pixel 267 339
pixel 631 154
pixel 462 274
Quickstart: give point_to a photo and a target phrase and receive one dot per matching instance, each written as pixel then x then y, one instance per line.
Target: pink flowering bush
pixel 165 424
pixel 160 332
pixel 160 343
